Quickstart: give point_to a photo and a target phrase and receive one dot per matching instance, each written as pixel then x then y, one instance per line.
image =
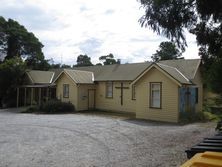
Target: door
pixel 91 99
pixel 187 99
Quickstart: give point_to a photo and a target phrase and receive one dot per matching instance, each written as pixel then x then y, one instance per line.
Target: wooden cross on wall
pixel 121 91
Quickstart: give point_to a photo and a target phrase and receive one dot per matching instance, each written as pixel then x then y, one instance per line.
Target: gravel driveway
pixel 93 140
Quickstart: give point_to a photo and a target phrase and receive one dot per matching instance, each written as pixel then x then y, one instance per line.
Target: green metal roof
pixel 82 77
pixel 182 70
pixel 175 73
pixel 187 67
pixel 117 72
pixel 40 77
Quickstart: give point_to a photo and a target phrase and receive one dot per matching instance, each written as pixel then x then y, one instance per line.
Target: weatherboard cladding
pixel 181 70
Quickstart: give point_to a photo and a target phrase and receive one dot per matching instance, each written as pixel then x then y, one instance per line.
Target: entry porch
pixel 28 95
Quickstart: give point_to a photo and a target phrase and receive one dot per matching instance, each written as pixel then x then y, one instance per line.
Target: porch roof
pixel 37 86
pixel 40 77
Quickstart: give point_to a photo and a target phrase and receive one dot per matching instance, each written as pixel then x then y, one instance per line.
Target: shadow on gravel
pixel 13 110
pixel 143 122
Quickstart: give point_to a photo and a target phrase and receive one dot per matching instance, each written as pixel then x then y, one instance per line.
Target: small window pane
pixel 134 92
pixel 155 95
pixel 66 90
pixel 196 95
pixel 109 89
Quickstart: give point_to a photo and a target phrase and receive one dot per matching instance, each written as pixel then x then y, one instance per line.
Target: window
pixel 134 92
pixel 65 90
pixel 155 95
pixel 109 89
pixel 196 95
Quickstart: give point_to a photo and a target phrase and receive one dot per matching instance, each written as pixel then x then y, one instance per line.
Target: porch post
pixel 25 98
pixel 17 103
pixel 31 96
pixel 47 94
pixel 39 96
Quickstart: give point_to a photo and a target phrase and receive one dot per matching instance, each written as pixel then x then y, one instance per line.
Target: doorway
pixel 91 99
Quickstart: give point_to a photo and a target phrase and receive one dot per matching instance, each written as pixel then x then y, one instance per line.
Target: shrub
pixel 56 106
pixel 188 117
pixel 211 117
pixel 31 109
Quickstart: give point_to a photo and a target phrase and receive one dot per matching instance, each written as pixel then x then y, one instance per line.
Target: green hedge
pixel 51 107
pixel 56 106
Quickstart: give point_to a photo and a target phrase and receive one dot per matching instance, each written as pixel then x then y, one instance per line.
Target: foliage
pixel 167 51
pixel 56 106
pixel 203 18
pixel 83 60
pixel 65 66
pixel 213 105
pixel 16 41
pixel 208 113
pixel 109 59
pixel 11 72
pixel 31 109
pixel 55 66
pixel 189 117
pixel 99 64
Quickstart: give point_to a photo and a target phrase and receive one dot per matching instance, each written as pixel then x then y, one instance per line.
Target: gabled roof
pixel 40 77
pixel 188 67
pixel 182 71
pixel 175 73
pixel 80 77
pixel 117 72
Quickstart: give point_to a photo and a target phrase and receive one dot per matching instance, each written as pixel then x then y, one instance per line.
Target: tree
pixel 11 72
pixel 109 59
pixel 16 41
pixel 167 51
pixel 37 62
pixel 98 64
pixel 55 66
pixel 83 60
pixel 203 18
pixel 66 66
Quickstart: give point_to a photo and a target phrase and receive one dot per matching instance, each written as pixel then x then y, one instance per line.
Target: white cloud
pixel 71 27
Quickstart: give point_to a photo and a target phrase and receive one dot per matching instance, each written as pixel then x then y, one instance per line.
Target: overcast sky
pixel 68 28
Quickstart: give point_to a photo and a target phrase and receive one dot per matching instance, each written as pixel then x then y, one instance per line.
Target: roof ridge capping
pixel 160 64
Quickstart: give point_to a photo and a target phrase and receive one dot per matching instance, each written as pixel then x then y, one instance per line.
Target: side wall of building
pixel 83 96
pixel 198 81
pixel 170 103
pixel 114 103
pixel 64 79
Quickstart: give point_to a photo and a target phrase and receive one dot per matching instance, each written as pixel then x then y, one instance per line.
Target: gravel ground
pixel 93 140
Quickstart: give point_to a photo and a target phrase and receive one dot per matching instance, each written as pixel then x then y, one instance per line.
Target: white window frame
pixel 158 97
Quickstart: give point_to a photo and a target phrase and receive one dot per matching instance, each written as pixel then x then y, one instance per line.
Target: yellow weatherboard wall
pixel 64 79
pixel 169 110
pixel 114 103
pixel 83 95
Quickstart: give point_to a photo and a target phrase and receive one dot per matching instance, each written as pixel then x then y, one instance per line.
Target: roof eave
pixel 159 68
pixel 198 65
